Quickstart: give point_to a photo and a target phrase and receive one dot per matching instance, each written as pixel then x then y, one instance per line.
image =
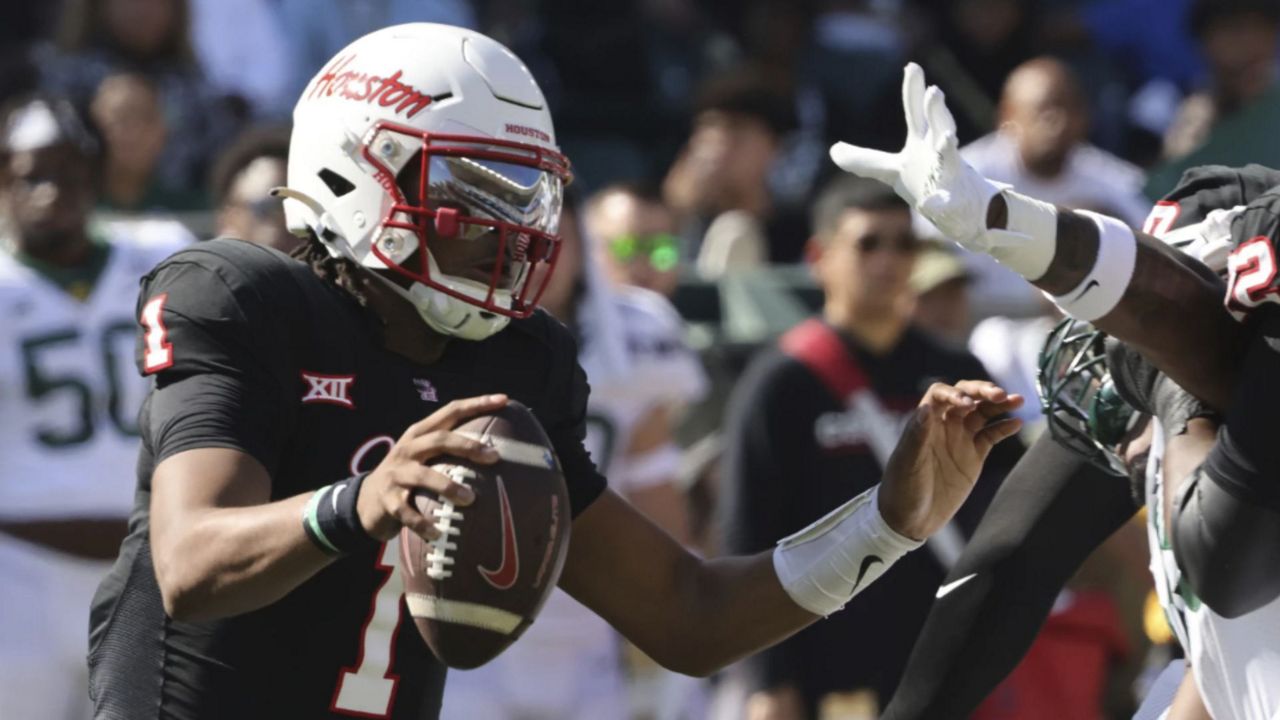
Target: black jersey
pixel 808 427
pixel 1242 249
pixel 1245 459
pixel 251 350
pixel 1205 189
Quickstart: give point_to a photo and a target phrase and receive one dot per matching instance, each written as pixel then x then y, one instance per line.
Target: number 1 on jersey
pixel 368 689
pixel 159 351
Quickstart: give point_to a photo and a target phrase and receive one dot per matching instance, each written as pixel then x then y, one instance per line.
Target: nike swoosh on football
pixel 1093 283
pixel 867 562
pixel 509 568
pixel 945 589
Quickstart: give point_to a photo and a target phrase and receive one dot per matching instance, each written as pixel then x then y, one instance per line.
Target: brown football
pixel 474 591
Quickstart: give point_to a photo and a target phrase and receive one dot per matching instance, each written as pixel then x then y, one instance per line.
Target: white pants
pixel 44 631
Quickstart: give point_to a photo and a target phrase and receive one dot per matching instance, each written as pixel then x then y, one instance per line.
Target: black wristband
pixel 332 522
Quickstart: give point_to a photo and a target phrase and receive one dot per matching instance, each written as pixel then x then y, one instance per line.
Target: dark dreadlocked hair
pixel 340 271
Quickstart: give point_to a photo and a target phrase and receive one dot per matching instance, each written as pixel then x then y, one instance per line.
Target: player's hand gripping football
pixel 386 497
pixel 941 453
pixel 929 173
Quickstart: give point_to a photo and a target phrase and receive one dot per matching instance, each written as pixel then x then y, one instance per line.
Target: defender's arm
pixel 1172 310
pixel 1095 268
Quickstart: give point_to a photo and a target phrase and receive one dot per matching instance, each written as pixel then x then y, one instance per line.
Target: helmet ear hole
pixel 337 184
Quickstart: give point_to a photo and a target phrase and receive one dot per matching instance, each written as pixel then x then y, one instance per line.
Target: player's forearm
pixel 1175 317
pixel 228 561
pixel 691 615
pixel 736 606
pixel 731 608
pixel 1171 309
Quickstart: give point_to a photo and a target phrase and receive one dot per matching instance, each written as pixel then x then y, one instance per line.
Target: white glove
pixel 929 173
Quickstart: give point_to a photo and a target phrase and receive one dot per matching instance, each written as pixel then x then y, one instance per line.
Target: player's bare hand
pixel 941 453
pixel 386 497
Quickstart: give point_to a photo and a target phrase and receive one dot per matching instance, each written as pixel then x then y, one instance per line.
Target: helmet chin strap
pixel 444 314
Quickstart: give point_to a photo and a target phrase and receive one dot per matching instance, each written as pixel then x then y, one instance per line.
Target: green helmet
pixel 1085 412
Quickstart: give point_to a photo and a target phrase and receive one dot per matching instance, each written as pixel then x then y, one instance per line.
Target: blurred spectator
pixel 598 62
pixel 1233 120
pixel 99 38
pixel 569 664
pixel 241 185
pixel 23 23
pixel 22 26
pixel 635 237
pixel 1149 37
pixel 858 39
pixel 779 44
pixel 940 283
pixel 68 416
pixel 815 420
pixel 969 47
pixel 719 185
pixel 244 50
pixel 127 111
pixel 1138 60
pixel 1040 148
pixel 315 30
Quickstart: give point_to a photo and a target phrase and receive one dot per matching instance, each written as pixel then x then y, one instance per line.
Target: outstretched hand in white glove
pixel 929 173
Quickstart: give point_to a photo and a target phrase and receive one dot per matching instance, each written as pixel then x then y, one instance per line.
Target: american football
pixel 475 590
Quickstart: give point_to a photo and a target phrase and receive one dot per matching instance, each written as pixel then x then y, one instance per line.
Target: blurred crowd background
pixel 698 130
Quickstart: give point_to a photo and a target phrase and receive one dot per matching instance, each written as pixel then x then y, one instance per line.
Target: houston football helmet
pixel 1079 399
pixel 419 135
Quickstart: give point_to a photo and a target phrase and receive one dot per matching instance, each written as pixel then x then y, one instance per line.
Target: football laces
pixel 448 517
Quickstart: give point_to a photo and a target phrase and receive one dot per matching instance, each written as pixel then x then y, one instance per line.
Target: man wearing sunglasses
pixel 831 399
pixel 635 233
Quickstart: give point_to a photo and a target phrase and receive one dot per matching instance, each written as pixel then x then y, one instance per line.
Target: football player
pixel 1059 504
pixel 631 346
pixel 68 397
pixel 1167 306
pixel 297 402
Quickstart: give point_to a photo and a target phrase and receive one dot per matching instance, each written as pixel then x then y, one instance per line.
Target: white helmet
pixel 419 135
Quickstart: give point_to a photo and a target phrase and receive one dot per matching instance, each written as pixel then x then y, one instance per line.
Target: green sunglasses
pixel 662 250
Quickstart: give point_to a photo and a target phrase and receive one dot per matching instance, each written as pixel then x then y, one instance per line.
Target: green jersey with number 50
pixel 69 394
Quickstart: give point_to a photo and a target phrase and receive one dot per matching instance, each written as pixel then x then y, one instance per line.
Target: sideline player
pixel 68 397
pixel 569 664
pixel 1165 305
pixel 256 581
